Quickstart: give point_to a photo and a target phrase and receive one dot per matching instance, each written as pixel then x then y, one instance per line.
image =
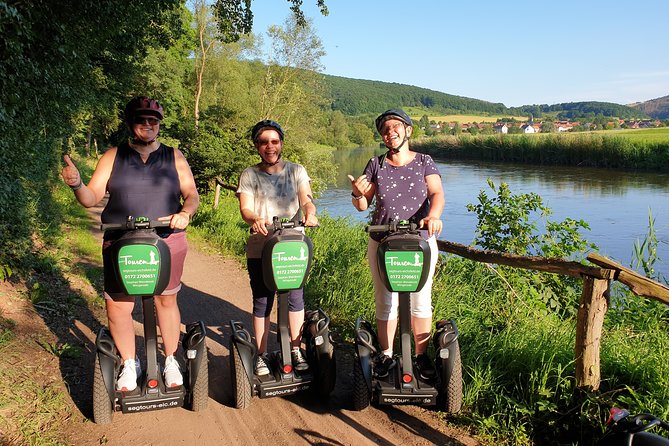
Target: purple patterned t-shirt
pixel 401 191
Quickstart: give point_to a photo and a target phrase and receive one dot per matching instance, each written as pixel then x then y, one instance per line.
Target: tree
pixel 547 127
pixel 291 87
pixel 235 17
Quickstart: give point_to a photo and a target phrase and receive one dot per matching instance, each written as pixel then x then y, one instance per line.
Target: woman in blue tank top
pixel 143 178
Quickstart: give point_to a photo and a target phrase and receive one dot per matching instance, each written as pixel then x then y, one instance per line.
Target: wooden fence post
pixel 589 323
pixel 218 193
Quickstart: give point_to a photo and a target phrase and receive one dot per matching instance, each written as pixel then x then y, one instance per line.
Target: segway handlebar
pixel 393 226
pixel 282 223
pixel 621 425
pixel 134 223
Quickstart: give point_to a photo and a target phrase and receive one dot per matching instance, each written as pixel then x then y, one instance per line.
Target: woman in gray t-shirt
pixel 273 188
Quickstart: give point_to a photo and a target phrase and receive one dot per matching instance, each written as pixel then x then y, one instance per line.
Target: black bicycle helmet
pixel 266 124
pixel 142 105
pixel 393 113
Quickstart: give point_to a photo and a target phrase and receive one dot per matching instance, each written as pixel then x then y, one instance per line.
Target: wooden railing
pixel 593 304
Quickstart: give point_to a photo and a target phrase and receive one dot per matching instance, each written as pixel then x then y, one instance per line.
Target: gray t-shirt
pixel 273 195
pixel 401 191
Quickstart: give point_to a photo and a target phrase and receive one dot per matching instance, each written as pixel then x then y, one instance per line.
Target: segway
pixel 625 430
pixel 286 261
pixel 404 257
pixel 143 268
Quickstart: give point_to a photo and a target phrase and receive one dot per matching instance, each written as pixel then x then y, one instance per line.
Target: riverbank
pixel 611 150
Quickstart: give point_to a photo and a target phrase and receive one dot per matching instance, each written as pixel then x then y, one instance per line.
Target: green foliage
pixel 211 154
pixel 508 223
pixel 587 110
pixel 61 65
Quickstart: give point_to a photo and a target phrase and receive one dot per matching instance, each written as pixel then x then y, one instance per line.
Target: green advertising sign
pixel 290 260
pixel 139 266
pixel 404 269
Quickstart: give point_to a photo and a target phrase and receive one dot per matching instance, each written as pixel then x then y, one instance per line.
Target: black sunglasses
pixel 145 120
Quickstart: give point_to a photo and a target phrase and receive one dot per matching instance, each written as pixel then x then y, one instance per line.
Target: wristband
pixel 356 198
pixel 78 186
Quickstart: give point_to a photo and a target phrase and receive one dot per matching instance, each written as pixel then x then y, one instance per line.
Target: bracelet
pixel 78 186
pixel 357 198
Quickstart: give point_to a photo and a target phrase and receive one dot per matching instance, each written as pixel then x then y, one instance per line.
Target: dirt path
pixel 215 291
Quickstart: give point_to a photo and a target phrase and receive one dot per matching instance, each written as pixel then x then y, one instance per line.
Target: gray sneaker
pixel 260 368
pixel 299 362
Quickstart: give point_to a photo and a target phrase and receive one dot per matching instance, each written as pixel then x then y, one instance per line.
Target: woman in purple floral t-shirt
pixel 406 186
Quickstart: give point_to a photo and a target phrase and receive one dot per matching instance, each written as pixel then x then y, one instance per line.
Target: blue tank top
pixel 150 189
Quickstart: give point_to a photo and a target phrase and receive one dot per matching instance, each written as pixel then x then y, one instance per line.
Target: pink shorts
pixel 178 249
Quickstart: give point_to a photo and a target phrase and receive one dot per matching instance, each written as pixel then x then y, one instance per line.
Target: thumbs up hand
pixel 70 173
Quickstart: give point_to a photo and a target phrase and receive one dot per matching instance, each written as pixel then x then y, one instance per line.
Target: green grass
pixel 645 136
pixel 577 149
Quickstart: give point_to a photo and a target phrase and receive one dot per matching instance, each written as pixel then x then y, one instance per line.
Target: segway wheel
pixel 200 392
pixel 102 405
pixel 361 394
pixel 241 387
pixel 451 387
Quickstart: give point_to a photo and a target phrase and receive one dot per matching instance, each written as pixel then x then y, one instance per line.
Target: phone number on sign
pixel 139 276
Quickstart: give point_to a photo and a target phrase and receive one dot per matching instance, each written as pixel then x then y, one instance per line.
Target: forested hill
pixel 656 108
pixel 575 110
pixel 358 96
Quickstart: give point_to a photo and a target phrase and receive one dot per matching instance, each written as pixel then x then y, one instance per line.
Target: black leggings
pixel 263 298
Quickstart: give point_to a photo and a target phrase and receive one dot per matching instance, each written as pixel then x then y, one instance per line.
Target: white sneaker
pixel 172 374
pixel 127 380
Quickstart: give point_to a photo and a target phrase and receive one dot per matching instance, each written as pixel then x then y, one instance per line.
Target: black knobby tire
pixel 451 386
pixel 241 387
pixel 361 394
pixel 200 392
pixel 102 405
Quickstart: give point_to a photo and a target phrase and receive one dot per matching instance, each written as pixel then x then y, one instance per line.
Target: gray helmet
pixel 265 124
pixel 393 113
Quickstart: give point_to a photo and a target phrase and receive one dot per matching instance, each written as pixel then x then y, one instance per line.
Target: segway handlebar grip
pixel 135 223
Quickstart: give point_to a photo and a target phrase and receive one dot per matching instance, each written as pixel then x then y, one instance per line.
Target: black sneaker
pixel 382 365
pixel 424 367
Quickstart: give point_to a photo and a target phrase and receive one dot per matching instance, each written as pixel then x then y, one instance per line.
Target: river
pixel 616 204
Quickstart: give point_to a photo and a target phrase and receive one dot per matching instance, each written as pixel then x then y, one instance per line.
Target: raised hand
pixel 70 173
pixel 359 186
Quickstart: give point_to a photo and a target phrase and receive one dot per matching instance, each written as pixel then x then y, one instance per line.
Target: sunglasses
pixel 145 120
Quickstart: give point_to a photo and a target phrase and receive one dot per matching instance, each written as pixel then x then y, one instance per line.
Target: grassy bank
pixel 577 149
pixel 39 354
pixel 517 345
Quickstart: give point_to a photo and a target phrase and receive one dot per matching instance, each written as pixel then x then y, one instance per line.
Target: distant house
pixel 528 128
pixel 501 128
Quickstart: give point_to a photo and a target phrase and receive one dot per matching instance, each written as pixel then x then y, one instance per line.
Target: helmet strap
pixel 265 163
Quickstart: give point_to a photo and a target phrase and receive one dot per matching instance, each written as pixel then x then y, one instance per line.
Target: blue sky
pixel 516 53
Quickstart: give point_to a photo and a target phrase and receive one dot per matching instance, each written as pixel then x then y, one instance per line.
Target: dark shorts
pixel 178 249
pixel 263 297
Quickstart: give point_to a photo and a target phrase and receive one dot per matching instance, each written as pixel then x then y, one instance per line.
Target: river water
pixel 616 204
